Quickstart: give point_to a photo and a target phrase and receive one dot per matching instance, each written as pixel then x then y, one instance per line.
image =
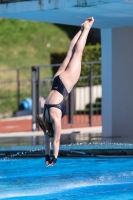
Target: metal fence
pixel 83 105
pixel 15 85
pixel 84 102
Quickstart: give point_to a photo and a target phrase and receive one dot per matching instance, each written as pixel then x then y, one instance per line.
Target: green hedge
pixel 8 100
pixel 57 58
pixel 96 108
pixel 91 53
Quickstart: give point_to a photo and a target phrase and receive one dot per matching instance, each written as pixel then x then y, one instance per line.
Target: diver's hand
pixel 47 160
pixel 51 162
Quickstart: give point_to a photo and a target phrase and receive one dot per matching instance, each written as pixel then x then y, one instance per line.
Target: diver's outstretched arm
pixel 47 149
pixel 56 141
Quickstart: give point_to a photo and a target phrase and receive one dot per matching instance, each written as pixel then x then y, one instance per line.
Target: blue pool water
pixel 71 179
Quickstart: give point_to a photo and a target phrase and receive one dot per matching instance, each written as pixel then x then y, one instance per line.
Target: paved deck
pixel 64 131
pixel 18 126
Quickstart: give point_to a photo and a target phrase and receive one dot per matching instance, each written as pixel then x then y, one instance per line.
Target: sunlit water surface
pixel 70 178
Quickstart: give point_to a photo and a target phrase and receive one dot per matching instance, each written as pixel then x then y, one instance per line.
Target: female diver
pixel 63 82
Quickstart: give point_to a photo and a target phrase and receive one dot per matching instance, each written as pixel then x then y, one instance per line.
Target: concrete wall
pixel 83 96
pixel 106 39
pixel 122 83
pixel 117 82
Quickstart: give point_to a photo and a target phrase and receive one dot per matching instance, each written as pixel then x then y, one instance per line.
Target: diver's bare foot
pixel 88 23
pixel 52 161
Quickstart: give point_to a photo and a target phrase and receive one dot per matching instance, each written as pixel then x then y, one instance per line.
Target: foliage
pixel 56 58
pixel 27 43
pixel 22 45
pixel 8 101
pixel 96 108
pixel 91 53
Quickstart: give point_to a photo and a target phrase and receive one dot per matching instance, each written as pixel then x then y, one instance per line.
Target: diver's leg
pixel 69 53
pixel 72 73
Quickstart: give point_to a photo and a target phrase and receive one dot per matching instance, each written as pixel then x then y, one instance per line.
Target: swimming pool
pixel 70 179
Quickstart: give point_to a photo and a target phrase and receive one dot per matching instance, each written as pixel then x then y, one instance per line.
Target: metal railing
pixel 83 105
pixel 15 85
pixel 84 102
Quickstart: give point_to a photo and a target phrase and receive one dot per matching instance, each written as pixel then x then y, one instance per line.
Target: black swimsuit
pixel 59 86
